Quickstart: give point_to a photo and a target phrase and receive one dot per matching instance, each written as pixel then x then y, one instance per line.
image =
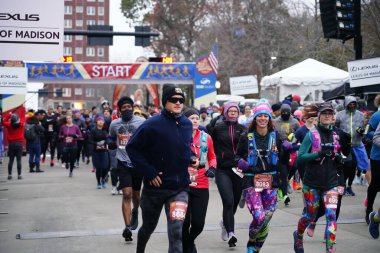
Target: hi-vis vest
pixel 316 145
pixel 254 154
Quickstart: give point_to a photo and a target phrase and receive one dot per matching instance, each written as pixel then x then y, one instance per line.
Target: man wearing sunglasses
pixel 160 149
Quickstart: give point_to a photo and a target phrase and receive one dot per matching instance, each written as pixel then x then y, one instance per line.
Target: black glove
pixel 74 136
pixel 360 130
pixel 325 153
pixel 112 146
pixel 210 172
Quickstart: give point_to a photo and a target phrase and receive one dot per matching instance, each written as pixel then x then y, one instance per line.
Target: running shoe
pixel 127 234
pixel 251 249
pixel 67 166
pixel 279 195
pixel 310 229
pixel 120 192
pixel 349 191
pixel 88 161
pixel 99 186
pixel 77 164
pixel 298 243
pixel 224 233
pixel 114 190
pixel 19 177
pixel 286 200
pixel 43 160
pixel 357 180
pixel 71 174
pixel 373 227
pixel 135 218
pixel 232 240
pixel 51 163
pixel 9 177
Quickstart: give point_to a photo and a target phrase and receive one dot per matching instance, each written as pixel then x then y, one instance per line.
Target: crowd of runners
pixel 257 155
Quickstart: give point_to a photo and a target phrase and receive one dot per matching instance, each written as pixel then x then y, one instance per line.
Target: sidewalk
pixel 54 213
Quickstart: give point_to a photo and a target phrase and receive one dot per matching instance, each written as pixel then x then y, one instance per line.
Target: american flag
pixel 213 58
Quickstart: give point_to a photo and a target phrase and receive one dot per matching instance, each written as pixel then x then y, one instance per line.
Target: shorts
pixel 128 177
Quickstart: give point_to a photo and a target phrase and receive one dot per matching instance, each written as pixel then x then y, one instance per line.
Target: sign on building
pixel 364 72
pixel 31 30
pixel 243 85
pixel 13 80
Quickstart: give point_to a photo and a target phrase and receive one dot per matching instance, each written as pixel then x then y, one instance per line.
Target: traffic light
pixel 338 18
pixel 143 41
pixel 166 59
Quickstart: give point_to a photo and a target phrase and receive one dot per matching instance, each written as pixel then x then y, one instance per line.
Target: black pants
pixel 152 201
pixel 14 150
pixel 101 163
pixel 374 186
pixel 79 149
pixel 230 189
pixel 69 156
pixel 51 142
pixel 349 168
pixel 284 178
pixel 195 216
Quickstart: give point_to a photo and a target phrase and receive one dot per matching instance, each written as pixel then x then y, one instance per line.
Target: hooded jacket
pixel 348 121
pixel 161 147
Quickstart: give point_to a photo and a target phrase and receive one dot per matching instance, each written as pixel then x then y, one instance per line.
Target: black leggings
pixel 374 186
pixel 14 150
pixel 52 140
pixel 230 189
pixel 284 178
pixel 79 149
pixel 195 216
pixel 69 156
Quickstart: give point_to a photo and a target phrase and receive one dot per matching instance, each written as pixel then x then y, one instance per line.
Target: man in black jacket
pixel 160 150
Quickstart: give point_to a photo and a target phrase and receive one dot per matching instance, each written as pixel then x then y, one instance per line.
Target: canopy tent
pixel 308 79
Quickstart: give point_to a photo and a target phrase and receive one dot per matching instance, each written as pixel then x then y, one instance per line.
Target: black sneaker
pixel 232 240
pixel 286 200
pixel 127 234
pixel 135 218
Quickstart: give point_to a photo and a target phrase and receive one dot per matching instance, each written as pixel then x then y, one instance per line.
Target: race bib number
pixel 340 190
pixel 69 140
pixel 178 210
pixel 123 140
pixel 50 128
pixel 193 176
pixel 331 199
pixel 262 181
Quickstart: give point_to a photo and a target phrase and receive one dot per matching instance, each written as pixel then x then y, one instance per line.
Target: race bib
pixel 193 176
pixel 331 199
pixel 123 140
pixel 50 128
pixel 340 190
pixel 100 145
pixel 262 181
pixel 178 210
pixel 69 140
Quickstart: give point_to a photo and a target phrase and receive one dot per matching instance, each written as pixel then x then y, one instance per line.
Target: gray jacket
pixel 284 128
pixel 123 131
pixel 348 121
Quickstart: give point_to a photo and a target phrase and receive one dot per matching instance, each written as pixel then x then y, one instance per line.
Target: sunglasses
pixel 175 100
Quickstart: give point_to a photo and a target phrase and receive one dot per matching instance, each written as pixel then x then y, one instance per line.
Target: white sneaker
pixel 114 190
pixel 120 192
pixel 224 233
pixel 356 180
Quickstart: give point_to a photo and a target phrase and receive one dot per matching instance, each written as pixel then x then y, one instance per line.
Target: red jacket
pixel 15 135
pixel 202 181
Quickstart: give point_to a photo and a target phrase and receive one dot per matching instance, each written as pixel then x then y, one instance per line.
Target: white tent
pixel 307 79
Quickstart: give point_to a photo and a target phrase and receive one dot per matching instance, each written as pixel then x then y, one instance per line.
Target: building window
pixel 100 1
pixel 100 51
pixel 68 23
pixel 79 37
pixel 78 50
pixel 91 0
pixel 66 92
pixel 90 22
pixel 90 51
pixel 78 91
pixel 67 38
pixel 101 11
pixel 79 22
pixel 67 51
pixel 79 9
pixel 90 92
pixel 68 9
pixel 100 22
pixel 91 10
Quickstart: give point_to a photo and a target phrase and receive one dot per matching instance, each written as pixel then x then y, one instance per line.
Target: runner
pixel 203 147
pixel 33 133
pixel 49 123
pixel 261 175
pixel 320 150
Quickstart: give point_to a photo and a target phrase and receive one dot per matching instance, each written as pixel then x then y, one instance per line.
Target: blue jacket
pixel 161 147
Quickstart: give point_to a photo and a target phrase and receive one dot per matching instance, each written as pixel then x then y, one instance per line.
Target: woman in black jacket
pixel 226 136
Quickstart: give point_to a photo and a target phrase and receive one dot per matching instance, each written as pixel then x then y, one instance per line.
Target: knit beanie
pixel 276 107
pixel 190 111
pixel 227 106
pixel 294 106
pixel 99 118
pixel 262 107
pixel 285 108
pixel 203 110
pixel 170 90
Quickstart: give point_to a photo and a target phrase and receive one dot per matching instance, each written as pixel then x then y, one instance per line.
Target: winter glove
pixel 112 146
pixel 286 145
pixel 243 165
pixel 210 172
pixel 360 130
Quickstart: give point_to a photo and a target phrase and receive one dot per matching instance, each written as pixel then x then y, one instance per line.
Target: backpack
pixel 253 152
pixel 30 132
pixel 316 145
